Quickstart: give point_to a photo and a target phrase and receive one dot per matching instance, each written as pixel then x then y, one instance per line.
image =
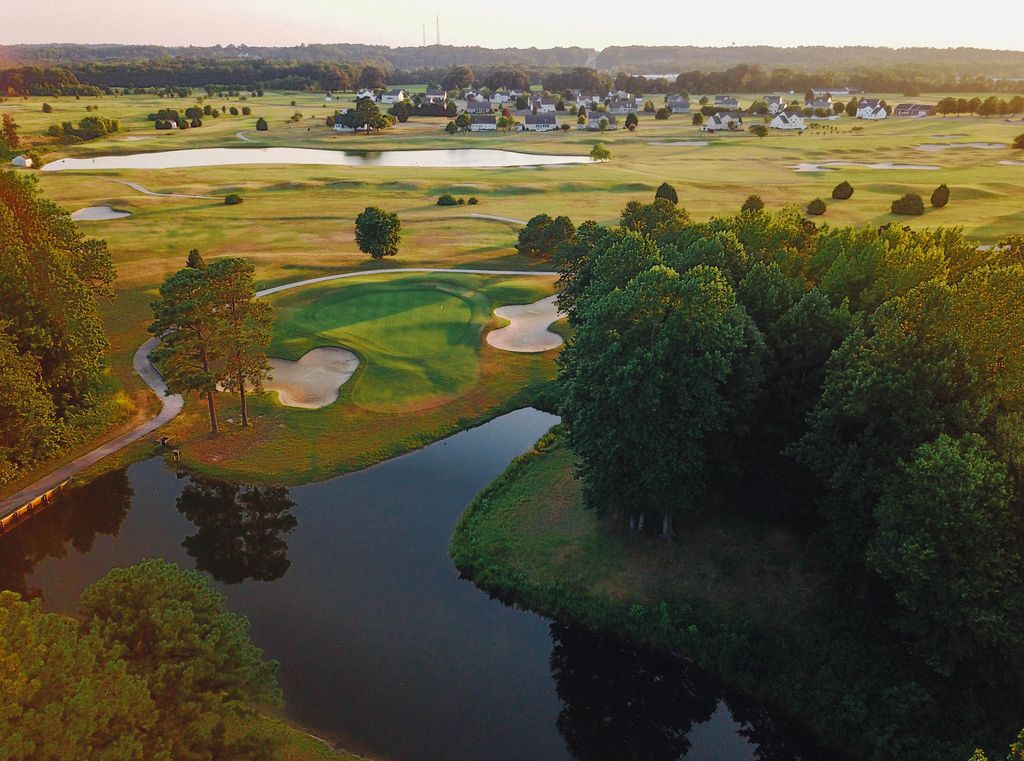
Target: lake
pixel 383 649
pixel 194 157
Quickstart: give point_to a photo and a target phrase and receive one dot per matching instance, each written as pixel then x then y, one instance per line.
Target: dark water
pixel 382 647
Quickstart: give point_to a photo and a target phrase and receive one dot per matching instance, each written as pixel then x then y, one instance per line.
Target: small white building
pixel 594 119
pixel 788 120
pixel 500 97
pixel 365 93
pixel 677 104
pixel 483 123
pixel 393 96
pixel 623 107
pixel 913 110
pixel 433 95
pixel 540 122
pixel 871 108
pixel 543 105
pixel 776 103
pixel 328 99
pixel 722 121
pixel 23 161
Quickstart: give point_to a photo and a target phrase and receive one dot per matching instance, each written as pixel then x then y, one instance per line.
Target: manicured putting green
pixel 418 337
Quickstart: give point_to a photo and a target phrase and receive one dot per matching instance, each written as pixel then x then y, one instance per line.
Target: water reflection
pixel 240 529
pixel 75 520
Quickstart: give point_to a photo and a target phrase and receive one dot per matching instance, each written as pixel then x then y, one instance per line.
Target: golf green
pixel 418 337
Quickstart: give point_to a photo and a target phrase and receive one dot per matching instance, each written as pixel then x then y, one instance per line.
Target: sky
pixel 522 23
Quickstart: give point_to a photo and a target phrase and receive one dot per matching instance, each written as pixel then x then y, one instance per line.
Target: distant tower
pixel 424 35
pixel 437 20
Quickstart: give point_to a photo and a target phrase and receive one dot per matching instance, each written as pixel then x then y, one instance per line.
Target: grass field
pixel 298 221
pixel 424 373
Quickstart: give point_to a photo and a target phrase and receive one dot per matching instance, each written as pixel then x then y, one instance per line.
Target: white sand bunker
pixel 97 214
pixel 314 379
pixel 935 147
pixel 135 138
pixel 528 332
pixel 1012 163
pixel 678 142
pixel 826 166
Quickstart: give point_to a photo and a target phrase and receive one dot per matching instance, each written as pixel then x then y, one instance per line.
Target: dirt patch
pixel 313 380
pixel 528 332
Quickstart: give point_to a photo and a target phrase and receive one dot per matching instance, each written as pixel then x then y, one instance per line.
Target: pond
pixel 194 157
pixel 383 648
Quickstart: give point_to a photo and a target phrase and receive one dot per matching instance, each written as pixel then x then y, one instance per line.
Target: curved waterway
pixel 193 157
pixel 383 649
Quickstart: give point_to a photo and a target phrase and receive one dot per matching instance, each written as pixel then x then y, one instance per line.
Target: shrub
pixel 232 200
pixel 246 111
pixel 261 124
pixel 816 207
pixel 940 196
pixel 47 108
pixel 759 130
pixel 462 201
pixel 234 111
pixel 667 192
pixel 662 113
pixel 565 127
pixel 842 191
pixel 447 200
pixel 909 205
pixel 472 201
pixel 752 204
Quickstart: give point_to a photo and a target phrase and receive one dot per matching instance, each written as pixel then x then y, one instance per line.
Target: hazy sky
pixel 523 23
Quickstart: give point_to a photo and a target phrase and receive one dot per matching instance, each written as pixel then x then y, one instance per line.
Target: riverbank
pixel 738 597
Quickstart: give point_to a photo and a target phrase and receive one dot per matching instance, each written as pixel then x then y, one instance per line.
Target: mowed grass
pixel 418 337
pixel 297 221
pixel 425 373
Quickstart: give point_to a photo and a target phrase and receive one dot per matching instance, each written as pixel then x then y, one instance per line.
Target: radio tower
pixel 437 20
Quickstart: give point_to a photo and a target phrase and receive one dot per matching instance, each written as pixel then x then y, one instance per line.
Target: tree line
pixel 213 332
pixel 862 386
pixel 53 384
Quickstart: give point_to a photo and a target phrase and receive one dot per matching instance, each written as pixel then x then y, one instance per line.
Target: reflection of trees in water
pixel 626 704
pixel 240 529
pixel 621 704
pixel 75 520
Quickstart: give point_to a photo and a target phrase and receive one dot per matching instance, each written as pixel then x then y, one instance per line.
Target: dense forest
pixel 959 62
pixel 53 386
pixel 863 387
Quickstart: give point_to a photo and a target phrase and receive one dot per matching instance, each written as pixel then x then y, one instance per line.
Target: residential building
pixel 478 107
pixel 623 107
pixel 393 96
pixel 776 103
pixel 677 104
pixel 871 108
pixel 23 161
pixel 483 123
pixel 722 120
pixel 788 120
pixel 913 110
pixel 545 122
pixel 726 101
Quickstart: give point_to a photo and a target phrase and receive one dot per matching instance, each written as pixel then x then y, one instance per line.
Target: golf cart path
pixel 148 192
pixel 496 219
pixel 171 405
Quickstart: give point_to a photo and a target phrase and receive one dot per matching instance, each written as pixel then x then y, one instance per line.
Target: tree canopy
pixel 378 232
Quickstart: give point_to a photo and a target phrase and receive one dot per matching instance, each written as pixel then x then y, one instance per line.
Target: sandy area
pixel 950 135
pixel 313 380
pixel 493 218
pixel 528 331
pixel 97 214
pixel 935 147
pixel 135 138
pixel 1012 163
pixel 829 165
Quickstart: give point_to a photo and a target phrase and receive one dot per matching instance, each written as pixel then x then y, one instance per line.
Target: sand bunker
pixel 950 135
pixel 935 147
pixel 826 166
pixel 135 138
pixel 312 381
pixel 529 329
pixel 97 214
pixel 1012 163
pixel 678 142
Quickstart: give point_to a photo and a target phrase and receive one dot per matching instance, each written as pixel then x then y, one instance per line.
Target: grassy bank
pixel 293 744
pixel 739 597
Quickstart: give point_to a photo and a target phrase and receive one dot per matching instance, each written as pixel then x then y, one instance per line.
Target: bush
pixel 909 205
pixel 759 130
pixel 47 108
pixel 816 207
pixel 462 201
pixel 232 200
pixel 753 203
pixel 842 191
pixel 662 113
pixel 246 111
pixel 261 124
pixel 667 192
pixel 447 200
pixel 472 201
pixel 940 196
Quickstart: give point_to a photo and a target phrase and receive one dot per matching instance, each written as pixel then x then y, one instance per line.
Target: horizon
pixel 402 23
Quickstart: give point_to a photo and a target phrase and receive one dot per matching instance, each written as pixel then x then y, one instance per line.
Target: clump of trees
pixel 52 343
pixel 940 196
pixel 89 128
pixel 378 232
pixel 542 235
pixel 152 667
pixel 233 199
pixel 752 203
pixel 1018 142
pixel 843 191
pixel 447 199
pixel 261 125
pixel 600 153
pixel 909 204
pixel 759 130
pixel 863 386
pixel 816 207
pixel 667 192
pixel 213 332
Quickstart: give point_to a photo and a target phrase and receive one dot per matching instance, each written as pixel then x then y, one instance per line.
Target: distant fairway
pixel 418 336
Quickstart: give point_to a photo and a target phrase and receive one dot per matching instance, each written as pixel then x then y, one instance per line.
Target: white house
pixel 500 97
pixel 776 103
pixel 24 161
pixel 393 96
pixel 483 123
pixel 478 107
pixel 871 108
pixel 913 110
pixel 540 122
pixel 543 105
pixel 722 121
pixel 365 93
pixel 819 92
pixel 433 95
pixel 788 120
pixel 595 118
pixel 726 101
pixel 623 107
